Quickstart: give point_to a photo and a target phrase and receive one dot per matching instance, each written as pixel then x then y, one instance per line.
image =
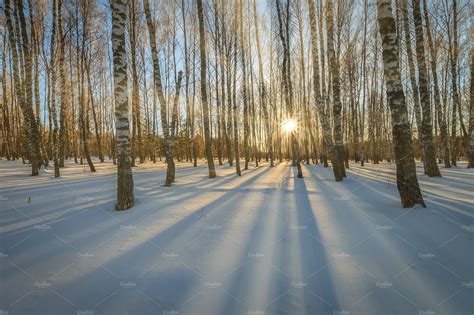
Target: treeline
pixel 182 80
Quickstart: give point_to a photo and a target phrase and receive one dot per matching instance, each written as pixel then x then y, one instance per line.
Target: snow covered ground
pixel 264 243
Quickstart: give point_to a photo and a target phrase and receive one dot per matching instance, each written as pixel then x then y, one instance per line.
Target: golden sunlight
pixel 289 125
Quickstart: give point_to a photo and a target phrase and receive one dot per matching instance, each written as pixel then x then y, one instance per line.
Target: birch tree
pixel 125 198
pixel 203 83
pixel 337 157
pixel 170 177
pixel 318 98
pixel 20 50
pixel 431 168
pixel 437 94
pixel 407 182
pixel 471 115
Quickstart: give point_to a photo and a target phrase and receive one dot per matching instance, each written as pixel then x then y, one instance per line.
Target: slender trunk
pixel 262 88
pixel 205 107
pixel 24 86
pixel 235 109
pixel 125 197
pixel 407 182
pixel 63 88
pixel 52 65
pixel 94 114
pixel 412 75
pixel 471 115
pixel 338 156
pixel 453 54
pixel 244 89
pixel 186 82
pixel 171 167
pixel 318 98
pixel 137 142
pixel 431 167
pixel 228 54
pixel 83 111
pixel 286 82
pixel 161 96
pixel 437 98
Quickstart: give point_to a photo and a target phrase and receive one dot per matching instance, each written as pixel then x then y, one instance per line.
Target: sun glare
pixel 289 125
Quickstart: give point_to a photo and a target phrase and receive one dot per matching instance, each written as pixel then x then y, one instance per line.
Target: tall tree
pixel 125 198
pixel 205 106
pixel 318 98
pixel 262 87
pixel 431 168
pixel 234 95
pixel 62 87
pixel 245 97
pixel 137 144
pixel 338 156
pixel 437 98
pixel 471 115
pixel 52 68
pixel 412 75
pixel 20 50
pixel 81 51
pixel 161 97
pixel 284 35
pixel 453 61
pixel 407 182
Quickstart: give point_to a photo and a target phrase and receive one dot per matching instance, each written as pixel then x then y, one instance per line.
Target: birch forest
pixel 238 81
pixel 159 102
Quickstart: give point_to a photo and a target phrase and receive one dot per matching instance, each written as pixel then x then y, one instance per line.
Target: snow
pixel 263 243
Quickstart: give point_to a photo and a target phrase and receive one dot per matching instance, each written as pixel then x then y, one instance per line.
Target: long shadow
pixel 106 234
pixel 398 250
pixel 345 192
pixel 164 241
pixel 320 293
pixel 98 195
pixel 380 211
pixel 100 206
pixel 433 199
pixel 257 282
pixel 389 176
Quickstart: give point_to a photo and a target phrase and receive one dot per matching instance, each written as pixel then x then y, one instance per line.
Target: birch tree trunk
pixel 83 111
pixel 364 88
pixel 205 107
pixel 161 96
pixel 125 197
pixel 471 115
pixel 225 87
pixel 244 89
pixel 94 114
pixel 186 81
pixel 407 182
pixel 52 65
pixel 220 98
pixel 137 143
pixel 262 89
pixel 286 82
pixel 437 98
pixel 24 85
pixel 327 138
pixel 234 104
pixel 412 75
pixel 338 155
pixel 174 117
pixel 453 57
pixel 431 167
pixel 62 87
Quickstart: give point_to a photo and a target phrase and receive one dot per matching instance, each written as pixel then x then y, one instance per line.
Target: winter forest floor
pixel 263 243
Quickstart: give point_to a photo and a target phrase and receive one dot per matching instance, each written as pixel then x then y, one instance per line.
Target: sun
pixel 289 125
